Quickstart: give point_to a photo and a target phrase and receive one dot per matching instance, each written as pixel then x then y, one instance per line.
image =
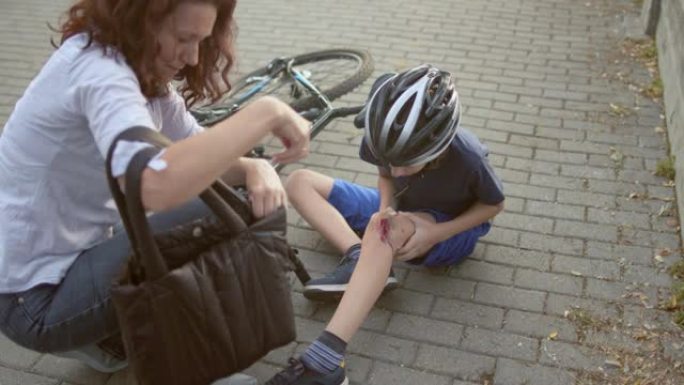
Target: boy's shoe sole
pixel 335 292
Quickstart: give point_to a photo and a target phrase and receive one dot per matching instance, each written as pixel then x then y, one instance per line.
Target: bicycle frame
pixel 280 70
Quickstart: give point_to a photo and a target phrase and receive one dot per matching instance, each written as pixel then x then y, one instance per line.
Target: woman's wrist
pixel 272 109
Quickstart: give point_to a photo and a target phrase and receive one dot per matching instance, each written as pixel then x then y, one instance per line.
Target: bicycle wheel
pixel 335 72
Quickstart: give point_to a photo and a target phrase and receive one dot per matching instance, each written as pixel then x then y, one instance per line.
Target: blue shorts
pixel 358 203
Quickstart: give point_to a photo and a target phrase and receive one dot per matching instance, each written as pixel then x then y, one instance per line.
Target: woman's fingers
pixel 294 134
pixel 291 154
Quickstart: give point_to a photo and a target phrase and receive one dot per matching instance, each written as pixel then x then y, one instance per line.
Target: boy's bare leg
pixel 308 191
pixel 368 280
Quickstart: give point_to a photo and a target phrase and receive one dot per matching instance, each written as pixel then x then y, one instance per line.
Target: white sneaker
pixel 237 379
pixel 96 358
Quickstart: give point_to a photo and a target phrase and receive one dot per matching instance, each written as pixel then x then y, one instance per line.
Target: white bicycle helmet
pixel 412 117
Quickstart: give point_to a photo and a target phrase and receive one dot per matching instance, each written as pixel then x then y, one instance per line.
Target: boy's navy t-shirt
pixel 462 178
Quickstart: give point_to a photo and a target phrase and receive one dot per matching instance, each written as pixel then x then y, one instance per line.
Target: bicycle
pixel 289 79
pixel 294 80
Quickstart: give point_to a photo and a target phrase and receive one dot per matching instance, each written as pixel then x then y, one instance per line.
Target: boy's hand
pixel 422 240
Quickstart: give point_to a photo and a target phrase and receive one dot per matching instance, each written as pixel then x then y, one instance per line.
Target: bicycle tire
pixel 361 73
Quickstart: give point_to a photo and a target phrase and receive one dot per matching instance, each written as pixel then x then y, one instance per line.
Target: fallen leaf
pixel 613 363
pixel 576 273
pixel 659 130
pixel 634 195
pixel 553 335
pixel 659 258
pixel 665 209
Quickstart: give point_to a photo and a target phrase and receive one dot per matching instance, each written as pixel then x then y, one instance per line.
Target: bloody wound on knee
pixel 384 229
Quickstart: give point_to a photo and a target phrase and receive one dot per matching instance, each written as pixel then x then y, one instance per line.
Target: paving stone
pixel 484 272
pixel 524 222
pixel 632 254
pixel 425 329
pixel 586 267
pixel 377 319
pixel 505 149
pixel 463 365
pixel 440 285
pixel 586 230
pixel 551 243
pixel 510 372
pixel 571 356
pixel 535 166
pixel 534 142
pixel 619 218
pixel 16 356
pixel 588 172
pixel 406 301
pixel 639 316
pixel 555 283
pixel 468 313
pixel 532 192
pixel 15 377
pixel 516 256
pixel 643 274
pixel 393 349
pixel 389 374
pixel 514 176
pixel 539 325
pixel 502 236
pixel 497 343
pixel 554 209
pixel 586 198
pixel 558 304
pixel 510 297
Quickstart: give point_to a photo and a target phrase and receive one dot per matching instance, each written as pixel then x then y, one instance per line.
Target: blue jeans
pixel 358 203
pixel 78 311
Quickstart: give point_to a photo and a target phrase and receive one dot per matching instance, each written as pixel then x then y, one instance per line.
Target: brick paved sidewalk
pixel 570 277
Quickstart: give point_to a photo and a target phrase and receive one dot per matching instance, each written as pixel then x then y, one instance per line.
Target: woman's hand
pixel 422 240
pixel 293 132
pixel 266 191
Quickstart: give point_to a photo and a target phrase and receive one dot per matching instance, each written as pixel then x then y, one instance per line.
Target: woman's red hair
pixel 130 26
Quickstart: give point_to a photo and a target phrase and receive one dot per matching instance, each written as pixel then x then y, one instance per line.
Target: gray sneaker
pixel 332 286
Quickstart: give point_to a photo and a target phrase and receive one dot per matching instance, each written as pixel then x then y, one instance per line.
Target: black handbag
pixel 208 298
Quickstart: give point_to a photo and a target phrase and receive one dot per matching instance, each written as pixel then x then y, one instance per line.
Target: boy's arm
pixel 428 233
pixel 386 189
pixel 477 214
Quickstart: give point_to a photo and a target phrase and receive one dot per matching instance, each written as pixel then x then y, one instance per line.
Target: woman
pixel 59 251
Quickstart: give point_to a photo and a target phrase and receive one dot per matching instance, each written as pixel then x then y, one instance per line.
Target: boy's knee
pixel 299 181
pixel 295 181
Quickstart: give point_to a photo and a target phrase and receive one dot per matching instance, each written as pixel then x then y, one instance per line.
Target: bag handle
pixel 222 199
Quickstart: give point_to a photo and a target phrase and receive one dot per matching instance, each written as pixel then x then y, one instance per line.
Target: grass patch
pixel 655 89
pixel 679 318
pixel 678 291
pixel 647 50
pixel 677 270
pixel 585 321
pixel 665 168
